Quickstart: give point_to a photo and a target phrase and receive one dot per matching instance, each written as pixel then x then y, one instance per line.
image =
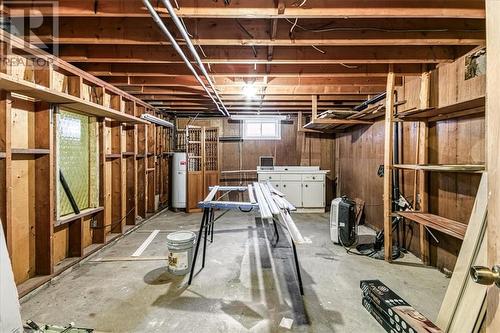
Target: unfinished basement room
pixel 263 166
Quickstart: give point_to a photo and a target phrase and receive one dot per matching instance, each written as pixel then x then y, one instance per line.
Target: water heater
pixel 179 180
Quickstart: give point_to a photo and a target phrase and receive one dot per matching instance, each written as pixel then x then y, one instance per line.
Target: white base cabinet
pixel 303 187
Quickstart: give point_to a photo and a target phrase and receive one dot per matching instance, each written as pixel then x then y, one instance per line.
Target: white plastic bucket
pixel 180 247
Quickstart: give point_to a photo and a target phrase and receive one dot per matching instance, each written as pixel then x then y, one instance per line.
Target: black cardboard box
pixel 382 320
pixel 399 312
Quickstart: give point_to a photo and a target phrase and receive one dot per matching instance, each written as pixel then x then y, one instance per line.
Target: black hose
pixel 365 104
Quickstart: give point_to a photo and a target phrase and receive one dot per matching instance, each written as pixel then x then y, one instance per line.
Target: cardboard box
pixel 404 316
pixel 370 307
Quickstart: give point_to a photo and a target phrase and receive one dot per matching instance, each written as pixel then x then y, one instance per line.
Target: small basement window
pixel 262 129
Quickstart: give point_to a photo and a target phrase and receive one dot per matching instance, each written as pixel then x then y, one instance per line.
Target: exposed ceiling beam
pixel 252 104
pixel 267 9
pixel 328 70
pixel 171 81
pixel 281 55
pixel 279 98
pixel 271 90
pixel 143 31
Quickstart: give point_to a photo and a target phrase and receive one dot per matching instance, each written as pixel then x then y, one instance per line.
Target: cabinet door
pixel 292 192
pixel 313 194
pixel 276 185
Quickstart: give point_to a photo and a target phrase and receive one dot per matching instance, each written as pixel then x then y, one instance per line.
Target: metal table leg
pixel 198 240
pixel 297 267
pixel 207 223
pixel 212 225
pixel 275 223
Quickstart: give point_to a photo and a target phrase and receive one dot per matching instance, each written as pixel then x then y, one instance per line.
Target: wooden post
pixel 116 171
pixel 423 159
pixel 314 107
pixel 493 157
pixel 5 166
pixel 299 121
pixel 388 150
pixel 44 189
pixel 99 234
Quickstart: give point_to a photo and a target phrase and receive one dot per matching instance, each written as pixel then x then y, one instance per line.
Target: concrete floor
pixel 246 286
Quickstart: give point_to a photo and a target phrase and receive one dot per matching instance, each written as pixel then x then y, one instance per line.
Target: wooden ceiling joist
pixel 325 70
pixel 338 50
pixel 232 32
pixel 267 9
pixel 270 90
pixel 228 82
pixel 259 55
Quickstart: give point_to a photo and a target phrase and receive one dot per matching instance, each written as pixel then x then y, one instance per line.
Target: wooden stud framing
pixel 5 166
pixel 99 234
pixel 388 149
pixel 423 159
pixel 44 189
pixel 39 91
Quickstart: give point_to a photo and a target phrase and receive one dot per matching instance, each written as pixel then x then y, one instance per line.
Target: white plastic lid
pixel 181 236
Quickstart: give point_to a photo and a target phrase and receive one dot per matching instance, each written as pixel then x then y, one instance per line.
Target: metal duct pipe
pixel 365 104
pixel 190 45
pixel 178 49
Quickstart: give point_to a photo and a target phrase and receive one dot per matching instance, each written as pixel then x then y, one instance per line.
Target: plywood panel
pixel 23 236
pixel 60 244
pixel 22 123
pixel 87 232
pixel 458 141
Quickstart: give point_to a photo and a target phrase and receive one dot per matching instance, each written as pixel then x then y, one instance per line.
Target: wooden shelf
pixel 325 124
pixel 462 109
pixel 128 153
pixel 465 168
pixel 150 170
pixel 73 217
pixel 76 104
pixel 2 155
pixel 22 151
pixel 447 226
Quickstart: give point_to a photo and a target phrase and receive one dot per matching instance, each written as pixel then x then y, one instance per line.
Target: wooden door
pixel 194 149
pixel 211 170
pixel 493 156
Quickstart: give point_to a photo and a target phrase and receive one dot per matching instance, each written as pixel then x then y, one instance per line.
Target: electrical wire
pixel 348 66
pixel 318 49
pixel 326 28
pixel 202 51
pixel 294 24
pixel 185 28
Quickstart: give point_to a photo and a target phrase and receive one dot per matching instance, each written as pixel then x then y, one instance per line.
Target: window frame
pixel 276 121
